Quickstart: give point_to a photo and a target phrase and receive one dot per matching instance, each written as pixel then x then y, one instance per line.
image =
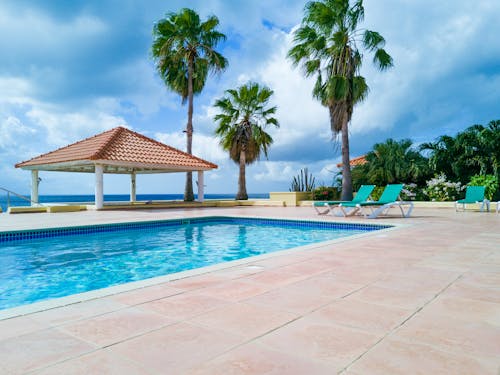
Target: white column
pixel 99 191
pixel 132 187
pixel 200 187
pixel 34 187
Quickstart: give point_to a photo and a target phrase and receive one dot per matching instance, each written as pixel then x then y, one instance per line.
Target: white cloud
pixel 13 134
pixel 62 127
pixel 204 146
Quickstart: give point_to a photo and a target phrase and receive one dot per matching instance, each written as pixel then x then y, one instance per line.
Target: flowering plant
pixel 409 192
pixel 439 189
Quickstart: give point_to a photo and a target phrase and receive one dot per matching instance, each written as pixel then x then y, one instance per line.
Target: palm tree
pixel 395 162
pixel 476 150
pixel 184 53
pixel 326 45
pixel 243 118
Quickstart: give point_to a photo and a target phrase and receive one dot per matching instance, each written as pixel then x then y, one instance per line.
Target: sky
pixel 72 69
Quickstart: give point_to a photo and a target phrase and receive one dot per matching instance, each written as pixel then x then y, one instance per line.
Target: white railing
pixel 9 193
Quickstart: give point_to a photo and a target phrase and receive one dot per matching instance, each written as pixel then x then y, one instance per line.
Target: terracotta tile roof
pixel 121 145
pixel 360 160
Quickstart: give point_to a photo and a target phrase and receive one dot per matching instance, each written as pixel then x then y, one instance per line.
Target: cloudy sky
pixel 72 69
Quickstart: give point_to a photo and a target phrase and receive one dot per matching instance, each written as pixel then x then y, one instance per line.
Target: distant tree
pixel 243 117
pixel 326 45
pixel 476 150
pixel 393 162
pixel 184 53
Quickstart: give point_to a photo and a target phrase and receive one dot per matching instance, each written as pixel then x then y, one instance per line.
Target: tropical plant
pixel 394 162
pixel 476 150
pixel 326 45
pixel 440 189
pixel 304 181
pixel 325 193
pixel 184 52
pixel 489 181
pixel 242 121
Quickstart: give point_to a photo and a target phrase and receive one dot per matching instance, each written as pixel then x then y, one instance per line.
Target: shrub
pixel 439 189
pixel 326 193
pixel 303 181
pixel 489 181
pixel 377 192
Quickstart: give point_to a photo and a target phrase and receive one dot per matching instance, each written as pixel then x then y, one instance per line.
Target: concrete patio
pixel 422 299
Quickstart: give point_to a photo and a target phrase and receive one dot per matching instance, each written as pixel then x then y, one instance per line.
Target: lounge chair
pixel 474 194
pixel 390 198
pixel 362 195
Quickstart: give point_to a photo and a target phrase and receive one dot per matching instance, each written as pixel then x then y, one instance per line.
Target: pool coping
pixel 135 285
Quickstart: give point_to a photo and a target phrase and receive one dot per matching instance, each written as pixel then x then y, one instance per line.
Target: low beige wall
pixel 290 198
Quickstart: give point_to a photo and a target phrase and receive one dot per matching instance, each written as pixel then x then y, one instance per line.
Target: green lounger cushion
pixel 362 195
pixel 390 194
pixel 473 194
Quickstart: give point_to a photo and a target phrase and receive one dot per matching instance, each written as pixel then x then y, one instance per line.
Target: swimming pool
pixel 49 263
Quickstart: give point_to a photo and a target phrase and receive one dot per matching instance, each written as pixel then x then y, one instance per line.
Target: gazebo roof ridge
pixel 113 134
pixel 168 146
pixel 119 145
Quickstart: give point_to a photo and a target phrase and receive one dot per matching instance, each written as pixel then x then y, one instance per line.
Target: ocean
pixel 15 201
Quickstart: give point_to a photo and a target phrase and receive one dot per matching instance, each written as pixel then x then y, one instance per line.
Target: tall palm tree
pixel 326 45
pixel 184 53
pixel 242 121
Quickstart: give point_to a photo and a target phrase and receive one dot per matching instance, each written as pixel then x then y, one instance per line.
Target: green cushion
pixel 389 195
pixel 362 195
pixel 473 194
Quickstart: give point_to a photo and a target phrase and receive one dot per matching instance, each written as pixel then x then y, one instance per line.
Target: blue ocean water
pixel 15 201
pixel 44 268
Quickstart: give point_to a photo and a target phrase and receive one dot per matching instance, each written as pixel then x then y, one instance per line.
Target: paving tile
pixel 396 357
pixel 329 286
pixel 101 362
pixel 77 311
pixel 472 291
pixel 151 293
pixel 240 271
pixel 393 297
pixel 307 268
pixel 289 299
pixel 335 345
pixel 254 359
pixel 466 309
pixel 234 290
pixel 276 277
pixel 39 349
pixel 183 306
pixel 244 319
pixel 454 335
pixel 117 326
pixel 18 326
pixel 176 348
pixel 197 282
pixel 362 315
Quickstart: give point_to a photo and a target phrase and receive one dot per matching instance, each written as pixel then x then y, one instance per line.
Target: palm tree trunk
pixel 346 166
pixel 242 185
pixel 188 190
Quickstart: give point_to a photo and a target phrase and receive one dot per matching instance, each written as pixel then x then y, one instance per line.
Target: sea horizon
pixel 89 198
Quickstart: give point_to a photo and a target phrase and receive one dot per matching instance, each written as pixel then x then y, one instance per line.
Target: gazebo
pixel 116 151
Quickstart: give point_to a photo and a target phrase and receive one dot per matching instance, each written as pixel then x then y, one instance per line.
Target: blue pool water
pixel 44 264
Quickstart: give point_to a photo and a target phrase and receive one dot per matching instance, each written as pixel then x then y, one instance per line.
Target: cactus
pixel 303 181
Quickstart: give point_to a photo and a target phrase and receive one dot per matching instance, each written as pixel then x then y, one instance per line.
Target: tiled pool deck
pixel 424 298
